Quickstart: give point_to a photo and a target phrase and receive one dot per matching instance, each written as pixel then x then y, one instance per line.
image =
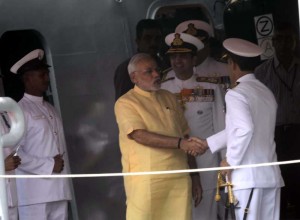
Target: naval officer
pixel 249 136
pixel 207 68
pixel 203 109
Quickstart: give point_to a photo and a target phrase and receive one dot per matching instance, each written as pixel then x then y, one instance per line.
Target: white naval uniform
pixel 211 67
pixel 208 68
pixel 43 139
pixel 204 119
pixel 249 135
pixel 11 189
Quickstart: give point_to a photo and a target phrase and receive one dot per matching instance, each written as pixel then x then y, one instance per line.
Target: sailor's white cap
pixel 242 47
pixel 182 43
pixel 35 54
pixel 199 25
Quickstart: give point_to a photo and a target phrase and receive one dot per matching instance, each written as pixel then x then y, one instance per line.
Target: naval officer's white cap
pixel 242 47
pixel 183 43
pixel 32 60
pixel 193 26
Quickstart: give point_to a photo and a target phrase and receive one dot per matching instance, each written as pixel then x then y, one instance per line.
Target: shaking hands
pixel 194 146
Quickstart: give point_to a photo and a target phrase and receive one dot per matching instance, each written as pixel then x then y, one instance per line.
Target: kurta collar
pixel 32 98
pixel 143 92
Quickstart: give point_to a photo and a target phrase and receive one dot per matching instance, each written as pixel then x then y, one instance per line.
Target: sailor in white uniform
pixel 42 147
pixel 203 108
pixel 249 136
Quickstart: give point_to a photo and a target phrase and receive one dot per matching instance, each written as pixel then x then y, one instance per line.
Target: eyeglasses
pixel 149 71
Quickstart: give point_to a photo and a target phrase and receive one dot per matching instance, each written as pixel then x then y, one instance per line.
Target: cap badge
pixel 191 29
pixel 177 40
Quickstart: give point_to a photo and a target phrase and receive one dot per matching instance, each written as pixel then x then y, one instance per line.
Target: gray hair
pixel 136 59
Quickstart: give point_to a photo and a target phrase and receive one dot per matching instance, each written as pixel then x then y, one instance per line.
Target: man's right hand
pixel 202 142
pixel 58 163
pixel 193 146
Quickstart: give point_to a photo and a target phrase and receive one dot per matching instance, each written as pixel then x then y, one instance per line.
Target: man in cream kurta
pixel 204 112
pixel 42 147
pixel 152 129
pixel 249 136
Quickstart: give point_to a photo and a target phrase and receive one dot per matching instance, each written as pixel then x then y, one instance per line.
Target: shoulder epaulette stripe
pixel 168 79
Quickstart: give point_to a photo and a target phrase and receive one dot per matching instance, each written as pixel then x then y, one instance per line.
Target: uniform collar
pixel 34 98
pixel 143 92
pixel 191 79
pixel 247 77
pixel 205 62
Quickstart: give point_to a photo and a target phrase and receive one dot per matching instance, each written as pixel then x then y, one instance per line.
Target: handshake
pixel 194 146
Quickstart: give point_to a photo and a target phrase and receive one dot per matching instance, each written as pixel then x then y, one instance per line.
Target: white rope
pixel 151 172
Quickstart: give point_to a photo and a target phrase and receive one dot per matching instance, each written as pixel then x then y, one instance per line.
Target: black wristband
pixel 179 141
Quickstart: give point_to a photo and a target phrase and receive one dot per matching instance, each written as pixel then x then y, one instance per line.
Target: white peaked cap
pixel 242 47
pixel 186 38
pixel 37 53
pixel 198 24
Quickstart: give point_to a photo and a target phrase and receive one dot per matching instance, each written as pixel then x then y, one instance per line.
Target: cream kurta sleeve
pixel 127 117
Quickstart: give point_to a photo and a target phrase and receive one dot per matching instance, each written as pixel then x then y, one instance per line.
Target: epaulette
pixel 235 84
pixel 168 79
pixel 215 80
pixel 224 81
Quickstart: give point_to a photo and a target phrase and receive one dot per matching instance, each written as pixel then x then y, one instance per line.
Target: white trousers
pixel 45 211
pixel 264 205
pixel 13 213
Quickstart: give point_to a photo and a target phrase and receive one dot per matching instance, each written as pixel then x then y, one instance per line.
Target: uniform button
pixel 55 132
pixel 200 112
